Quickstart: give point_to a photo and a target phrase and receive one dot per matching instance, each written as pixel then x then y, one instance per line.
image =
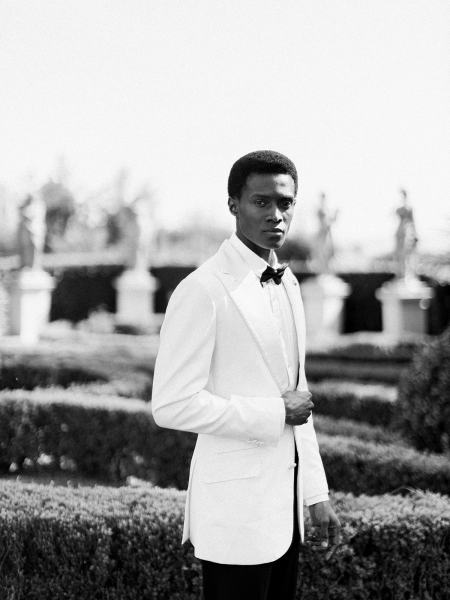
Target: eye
pixel 260 202
pixel 287 203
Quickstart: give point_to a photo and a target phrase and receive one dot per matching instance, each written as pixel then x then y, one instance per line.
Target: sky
pixel 353 91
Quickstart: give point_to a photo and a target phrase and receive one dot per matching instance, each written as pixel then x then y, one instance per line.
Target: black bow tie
pixel 275 274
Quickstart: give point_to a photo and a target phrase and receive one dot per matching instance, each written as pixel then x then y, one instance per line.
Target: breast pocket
pixel 232 465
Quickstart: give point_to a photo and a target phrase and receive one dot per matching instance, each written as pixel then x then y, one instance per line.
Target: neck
pixel 264 253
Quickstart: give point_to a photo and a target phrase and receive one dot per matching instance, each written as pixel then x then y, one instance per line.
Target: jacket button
pixel 292 465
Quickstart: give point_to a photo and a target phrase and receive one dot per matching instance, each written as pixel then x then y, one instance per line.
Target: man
pixel 231 368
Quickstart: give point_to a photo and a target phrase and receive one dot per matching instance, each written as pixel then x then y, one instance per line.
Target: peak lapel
pixel 246 292
pixel 293 291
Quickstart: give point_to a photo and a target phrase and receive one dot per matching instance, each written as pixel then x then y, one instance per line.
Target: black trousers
pixel 269 581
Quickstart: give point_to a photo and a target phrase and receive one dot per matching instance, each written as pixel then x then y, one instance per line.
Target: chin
pixel 277 244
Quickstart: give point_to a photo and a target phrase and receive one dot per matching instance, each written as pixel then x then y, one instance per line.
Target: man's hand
pixel 298 407
pixel 327 526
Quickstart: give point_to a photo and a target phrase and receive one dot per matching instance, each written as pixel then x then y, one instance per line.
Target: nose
pixel 274 215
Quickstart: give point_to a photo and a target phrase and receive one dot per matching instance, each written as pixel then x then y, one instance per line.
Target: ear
pixel 232 205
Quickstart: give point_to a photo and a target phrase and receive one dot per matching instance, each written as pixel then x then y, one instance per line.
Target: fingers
pixel 320 540
pixel 334 535
pixel 334 538
pixel 324 534
pixel 327 536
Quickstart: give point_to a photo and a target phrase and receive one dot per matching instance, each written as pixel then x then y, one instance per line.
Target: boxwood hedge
pixel 356 429
pixel 371 403
pixel 424 397
pixel 362 467
pixel 102 436
pixel 102 365
pixel 358 370
pixel 113 438
pixel 369 351
pixel 124 544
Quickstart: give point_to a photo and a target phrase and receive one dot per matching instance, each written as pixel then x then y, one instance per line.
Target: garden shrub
pixel 114 438
pixel 105 436
pixel 133 385
pixel 20 373
pixel 367 371
pixel 356 429
pixel 112 365
pixel 124 544
pixel 371 403
pixel 401 353
pixel 423 414
pixel 363 467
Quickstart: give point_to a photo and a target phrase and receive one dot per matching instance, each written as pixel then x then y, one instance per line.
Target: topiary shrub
pixel 423 414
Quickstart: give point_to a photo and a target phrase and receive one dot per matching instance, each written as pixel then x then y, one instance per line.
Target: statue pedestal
pixel 30 303
pixel 403 306
pixel 135 289
pixel 323 298
pixel 4 309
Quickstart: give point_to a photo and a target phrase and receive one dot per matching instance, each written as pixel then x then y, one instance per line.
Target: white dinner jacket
pixel 220 372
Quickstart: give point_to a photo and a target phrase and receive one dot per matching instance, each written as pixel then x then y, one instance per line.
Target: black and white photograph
pixel 224 300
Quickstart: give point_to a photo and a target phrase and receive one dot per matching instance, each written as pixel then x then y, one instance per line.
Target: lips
pixel 278 231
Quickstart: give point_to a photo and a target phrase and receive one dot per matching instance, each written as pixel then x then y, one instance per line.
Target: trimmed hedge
pixel 363 467
pixel 105 436
pixel 134 385
pixel 81 289
pixel 113 438
pixel 370 403
pixel 356 429
pixel 369 371
pixel 105 364
pixel 361 361
pixel 124 544
pixel 401 352
pixel 424 397
pixel 21 373
pixel 86 358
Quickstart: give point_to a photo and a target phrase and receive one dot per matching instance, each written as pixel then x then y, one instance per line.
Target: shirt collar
pixel 253 261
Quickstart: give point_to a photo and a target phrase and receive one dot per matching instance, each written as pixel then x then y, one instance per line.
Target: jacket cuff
pixel 316 499
pixel 273 432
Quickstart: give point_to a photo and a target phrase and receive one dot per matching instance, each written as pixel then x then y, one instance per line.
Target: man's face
pixel 264 211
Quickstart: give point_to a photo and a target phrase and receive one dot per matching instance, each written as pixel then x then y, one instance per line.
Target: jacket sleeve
pixel 180 399
pixel 315 486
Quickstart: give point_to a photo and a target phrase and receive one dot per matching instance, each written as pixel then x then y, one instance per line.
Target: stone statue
pixel 323 247
pixel 135 286
pixel 405 239
pixel 137 229
pixel 31 231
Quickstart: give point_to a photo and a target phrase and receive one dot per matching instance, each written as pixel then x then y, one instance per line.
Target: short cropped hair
pixel 260 161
